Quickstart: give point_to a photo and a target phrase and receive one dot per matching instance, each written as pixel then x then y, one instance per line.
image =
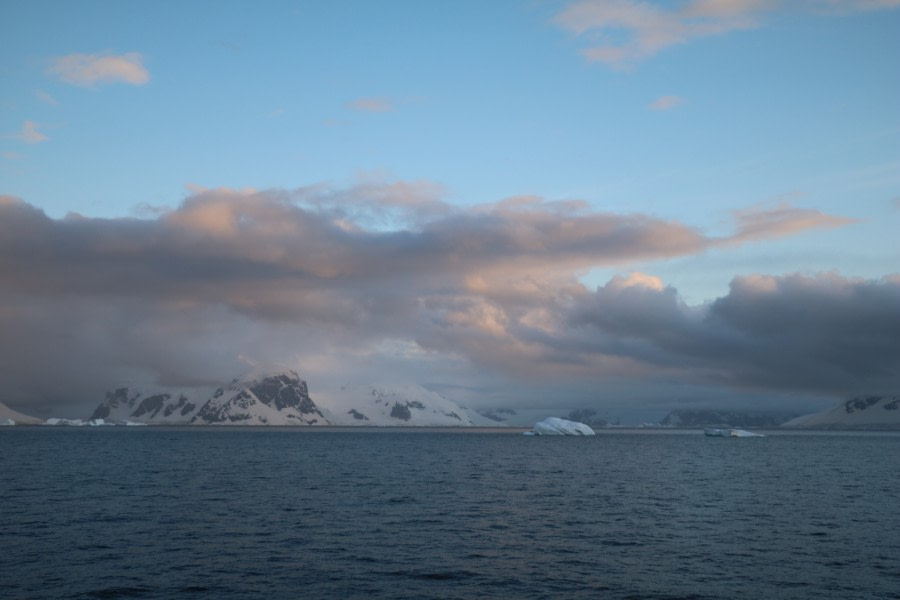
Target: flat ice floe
pixel 731 433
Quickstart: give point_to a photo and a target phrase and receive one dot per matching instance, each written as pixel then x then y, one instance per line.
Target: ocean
pixel 319 513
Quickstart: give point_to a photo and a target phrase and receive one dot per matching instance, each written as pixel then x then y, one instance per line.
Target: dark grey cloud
pixel 822 333
pixel 388 280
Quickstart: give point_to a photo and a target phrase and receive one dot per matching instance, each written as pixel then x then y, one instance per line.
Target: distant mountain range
pixel 725 418
pixel 283 399
pixel 862 412
pixel 274 399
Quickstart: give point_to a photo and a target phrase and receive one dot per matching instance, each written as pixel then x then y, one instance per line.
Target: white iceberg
pixel 7 422
pixel 556 426
pixel 66 422
pixel 731 433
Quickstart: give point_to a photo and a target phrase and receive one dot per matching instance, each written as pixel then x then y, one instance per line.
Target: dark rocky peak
pixel 401 411
pixel 284 390
pixel 151 405
pixel 114 399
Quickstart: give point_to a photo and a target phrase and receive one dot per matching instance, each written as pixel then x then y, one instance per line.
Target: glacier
pixel 557 426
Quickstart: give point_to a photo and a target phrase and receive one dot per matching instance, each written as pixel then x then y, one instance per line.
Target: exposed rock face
pixel 281 399
pixel 861 412
pixel 125 404
pixel 498 415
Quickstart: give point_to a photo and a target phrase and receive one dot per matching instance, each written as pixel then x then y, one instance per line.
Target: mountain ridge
pixel 282 398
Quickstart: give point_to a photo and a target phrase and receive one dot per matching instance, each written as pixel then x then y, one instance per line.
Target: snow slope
pixel 863 412
pixel 14 417
pixel 392 404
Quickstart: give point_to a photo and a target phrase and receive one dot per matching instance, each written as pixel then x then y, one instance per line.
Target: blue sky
pixel 682 112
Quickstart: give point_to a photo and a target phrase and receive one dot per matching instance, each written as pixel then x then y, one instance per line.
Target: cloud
pixel 371 105
pixel 29 134
pixel 824 333
pixel 87 70
pixel 666 102
pixel 621 33
pixel 780 220
pixel 855 5
pixel 45 97
pixel 486 297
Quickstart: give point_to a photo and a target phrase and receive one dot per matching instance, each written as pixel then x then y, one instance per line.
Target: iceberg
pixel 730 433
pixel 556 426
pixel 67 422
pixel 7 422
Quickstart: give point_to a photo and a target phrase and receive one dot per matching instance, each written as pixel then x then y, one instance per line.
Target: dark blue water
pixel 236 513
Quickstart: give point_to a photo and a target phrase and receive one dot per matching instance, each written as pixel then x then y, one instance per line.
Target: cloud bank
pixel 387 281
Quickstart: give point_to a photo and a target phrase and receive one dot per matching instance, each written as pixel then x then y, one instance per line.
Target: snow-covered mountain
pixel 283 398
pixel 392 404
pixel 257 399
pixel 864 412
pixel 158 406
pixel 9 416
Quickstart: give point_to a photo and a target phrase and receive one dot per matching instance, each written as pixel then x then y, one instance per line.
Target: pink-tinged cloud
pixel 640 29
pixel 46 97
pixel 87 70
pixel 781 220
pixel 666 102
pixel 649 28
pixel 372 105
pixel 483 293
pixel 30 134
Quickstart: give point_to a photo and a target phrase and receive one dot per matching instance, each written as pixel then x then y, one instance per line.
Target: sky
pixel 631 206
